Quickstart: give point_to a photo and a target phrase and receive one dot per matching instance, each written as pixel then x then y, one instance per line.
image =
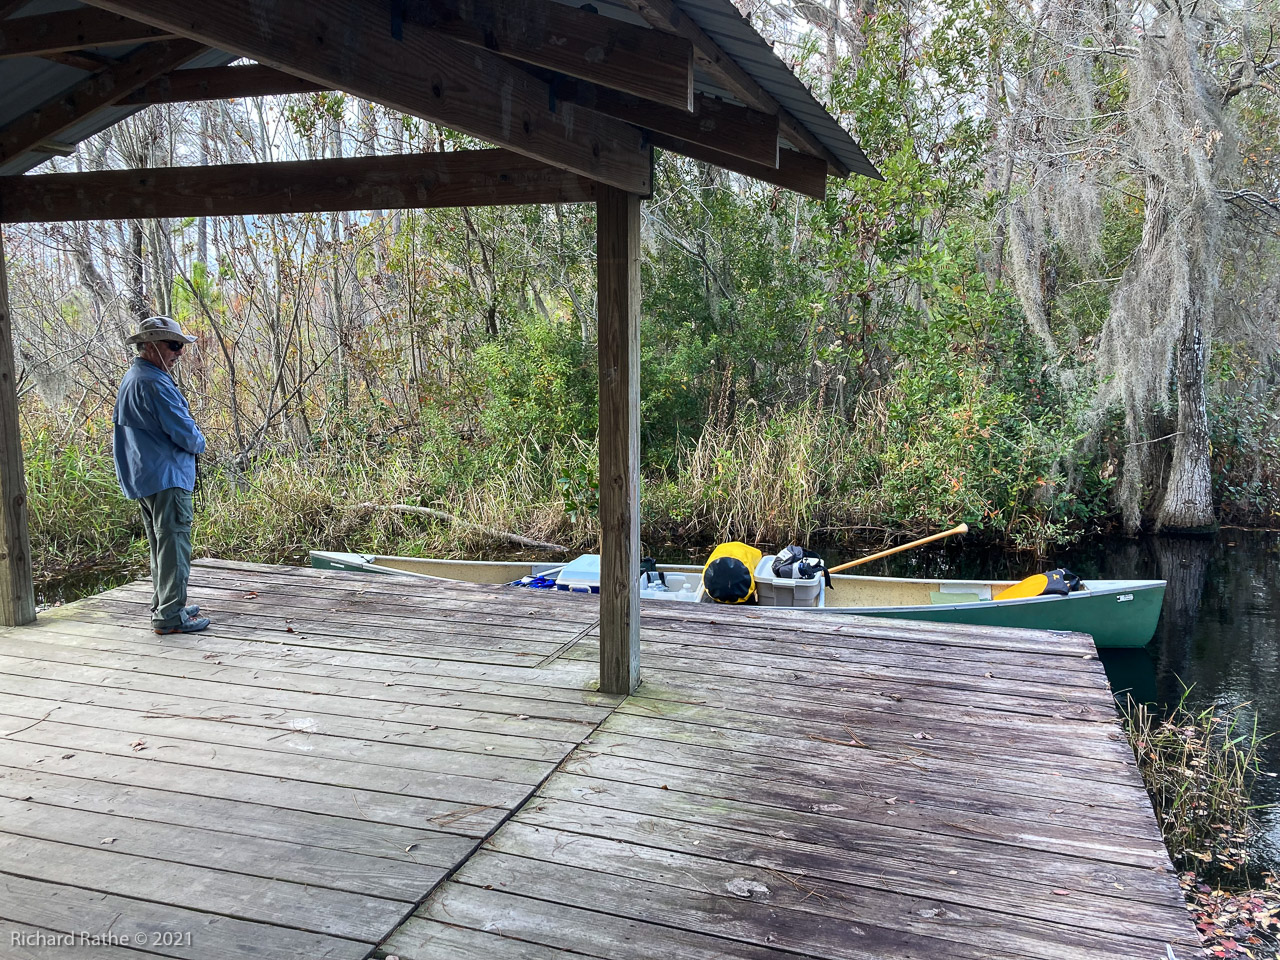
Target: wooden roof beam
pixel 645 63
pixel 102 89
pixel 357 46
pixel 800 172
pixel 222 83
pixel 727 128
pixel 666 16
pixel 464 178
pixel 72 30
pixel 714 124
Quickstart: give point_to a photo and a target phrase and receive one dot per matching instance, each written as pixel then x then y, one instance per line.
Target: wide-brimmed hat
pixel 159 328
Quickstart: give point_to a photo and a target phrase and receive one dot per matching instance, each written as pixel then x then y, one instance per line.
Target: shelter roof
pixel 717 30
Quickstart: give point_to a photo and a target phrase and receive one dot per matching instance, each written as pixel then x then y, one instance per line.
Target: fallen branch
pixel 450 518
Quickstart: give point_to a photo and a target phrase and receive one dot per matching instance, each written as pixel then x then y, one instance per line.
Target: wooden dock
pixel 356 765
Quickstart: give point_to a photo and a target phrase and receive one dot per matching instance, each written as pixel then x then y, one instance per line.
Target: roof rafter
pixel 38 36
pixel 728 128
pixel 222 83
pixel 732 130
pixel 665 15
pixel 104 88
pixel 354 45
pixel 647 63
pixel 800 172
pixel 406 181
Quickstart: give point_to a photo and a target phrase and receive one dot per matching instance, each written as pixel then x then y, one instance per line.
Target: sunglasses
pixel 174 345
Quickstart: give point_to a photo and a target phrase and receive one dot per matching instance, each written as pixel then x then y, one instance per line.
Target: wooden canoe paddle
pixel 962 528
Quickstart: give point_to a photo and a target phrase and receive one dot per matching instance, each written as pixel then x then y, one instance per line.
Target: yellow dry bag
pixel 729 576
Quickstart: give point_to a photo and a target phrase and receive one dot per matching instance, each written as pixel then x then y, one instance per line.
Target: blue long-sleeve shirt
pixel 156 441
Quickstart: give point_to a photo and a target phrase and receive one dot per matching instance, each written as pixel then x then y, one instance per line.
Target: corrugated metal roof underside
pixel 26 82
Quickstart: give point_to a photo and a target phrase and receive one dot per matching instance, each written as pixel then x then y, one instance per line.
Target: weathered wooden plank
pixel 1005 698
pixel 582 931
pixel 981 859
pixel 392 846
pixel 307 697
pixel 35 36
pixel 618 302
pixel 875 780
pixel 460 791
pixel 462 178
pixel 24 694
pixel 548 698
pixel 1016 714
pixel 248 628
pixel 1030 826
pixel 814 911
pixel 86 756
pixel 102 89
pixel 1099 893
pixel 303 668
pixel 1063 783
pixel 737 920
pixel 414 71
pixel 312 909
pixel 561 675
pixel 195 846
pixel 17 594
pixel 577 43
pixel 378 760
pixel 880 730
pixel 490 621
pixel 817 629
pixel 418 939
pixel 846 670
pixel 316 623
pixel 903 633
pixel 71 910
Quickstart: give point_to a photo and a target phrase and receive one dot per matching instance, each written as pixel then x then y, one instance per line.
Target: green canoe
pixel 1116 613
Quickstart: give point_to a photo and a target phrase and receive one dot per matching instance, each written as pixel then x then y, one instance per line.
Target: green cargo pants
pixel 167 518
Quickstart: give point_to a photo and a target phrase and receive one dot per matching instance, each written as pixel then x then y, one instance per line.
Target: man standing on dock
pixel 155 445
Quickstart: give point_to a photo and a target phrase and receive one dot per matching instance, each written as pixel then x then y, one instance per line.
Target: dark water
pixel 1219 631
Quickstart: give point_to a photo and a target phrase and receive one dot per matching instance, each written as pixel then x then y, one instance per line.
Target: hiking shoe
pixel 188 625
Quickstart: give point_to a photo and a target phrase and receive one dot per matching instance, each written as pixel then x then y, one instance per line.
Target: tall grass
pixel 1199 768
pixel 763 480
pixel 790 476
pixel 78 516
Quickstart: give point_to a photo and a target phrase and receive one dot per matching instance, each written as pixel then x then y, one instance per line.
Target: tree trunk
pixel 1187 506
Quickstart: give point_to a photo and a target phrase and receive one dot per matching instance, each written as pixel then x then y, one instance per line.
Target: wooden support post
pixel 618 321
pixel 17 596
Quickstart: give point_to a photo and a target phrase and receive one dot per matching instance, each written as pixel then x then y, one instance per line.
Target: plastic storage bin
pixel 677 586
pixel 783 591
pixel 581 575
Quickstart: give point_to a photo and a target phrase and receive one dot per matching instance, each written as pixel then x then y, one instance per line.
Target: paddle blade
pixel 1030 587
